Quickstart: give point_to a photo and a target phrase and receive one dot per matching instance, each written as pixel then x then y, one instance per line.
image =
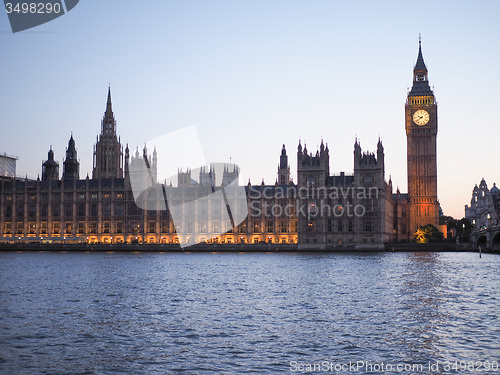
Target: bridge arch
pixel 482 242
pixel 495 242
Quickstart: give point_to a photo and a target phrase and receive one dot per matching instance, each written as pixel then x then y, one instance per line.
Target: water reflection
pixel 233 313
pixel 421 306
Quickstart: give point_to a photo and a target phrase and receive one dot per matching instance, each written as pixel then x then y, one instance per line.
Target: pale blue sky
pixel 252 75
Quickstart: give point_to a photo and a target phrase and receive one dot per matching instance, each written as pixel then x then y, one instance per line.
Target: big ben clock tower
pixel 421 134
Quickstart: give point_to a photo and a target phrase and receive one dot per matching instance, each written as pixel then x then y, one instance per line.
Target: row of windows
pixel 56 197
pixel 67 210
pixel 331 226
pixel 150 227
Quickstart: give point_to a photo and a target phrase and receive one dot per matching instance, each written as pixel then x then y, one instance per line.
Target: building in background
pixel 484 209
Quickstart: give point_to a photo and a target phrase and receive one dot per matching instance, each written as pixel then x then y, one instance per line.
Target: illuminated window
pixel 106 227
pixel 256 227
pixel 311 226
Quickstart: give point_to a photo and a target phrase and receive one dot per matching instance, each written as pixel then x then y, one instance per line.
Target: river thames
pixel 247 313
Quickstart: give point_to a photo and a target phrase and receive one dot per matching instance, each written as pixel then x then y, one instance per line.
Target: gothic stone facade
pixel 319 210
pixel 343 209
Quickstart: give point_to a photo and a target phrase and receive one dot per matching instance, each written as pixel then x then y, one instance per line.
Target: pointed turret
pixel 50 167
pixel 380 148
pixel 127 160
pixel 357 152
pixel 380 155
pixel 283 158
pixel 71 147
pixel 71 165
pixel 283 168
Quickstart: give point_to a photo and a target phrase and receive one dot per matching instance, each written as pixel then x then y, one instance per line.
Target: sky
pixel 251 76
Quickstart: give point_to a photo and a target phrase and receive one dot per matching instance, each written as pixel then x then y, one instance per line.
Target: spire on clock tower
pixel 420 65
pixel 420 76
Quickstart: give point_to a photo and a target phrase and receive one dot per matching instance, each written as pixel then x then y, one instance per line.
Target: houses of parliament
pixel 319 210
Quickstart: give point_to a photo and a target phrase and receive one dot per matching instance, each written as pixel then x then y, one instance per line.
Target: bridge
pixel 486 239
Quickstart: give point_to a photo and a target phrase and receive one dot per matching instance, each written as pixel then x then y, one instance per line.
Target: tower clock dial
pixel 421 117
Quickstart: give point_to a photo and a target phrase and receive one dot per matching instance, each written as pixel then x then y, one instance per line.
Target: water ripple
pixel 87 313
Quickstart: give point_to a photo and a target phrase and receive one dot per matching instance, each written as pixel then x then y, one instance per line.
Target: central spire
pixel 71 145
pixel 108 152
pixel 108 121
pixel 108 105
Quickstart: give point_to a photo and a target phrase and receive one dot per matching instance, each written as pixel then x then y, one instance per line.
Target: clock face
pixel 421 117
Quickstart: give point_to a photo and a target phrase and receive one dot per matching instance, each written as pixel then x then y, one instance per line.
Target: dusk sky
pixel 252 75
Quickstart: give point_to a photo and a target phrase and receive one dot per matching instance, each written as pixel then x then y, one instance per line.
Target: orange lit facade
pixel 421 135
pixel 102 209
